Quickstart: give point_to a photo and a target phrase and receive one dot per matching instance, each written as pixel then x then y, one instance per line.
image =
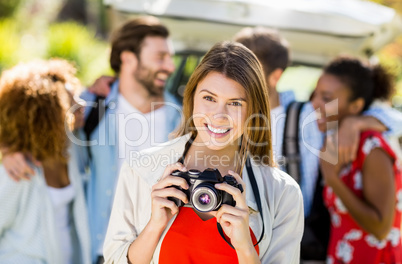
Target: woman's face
pixel 331 101
pixel 220 109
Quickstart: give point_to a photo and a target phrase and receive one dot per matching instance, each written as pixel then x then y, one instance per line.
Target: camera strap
pixel 256 192
pixel 254 186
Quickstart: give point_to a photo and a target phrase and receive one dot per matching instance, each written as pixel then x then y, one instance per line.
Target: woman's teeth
pixel 217 130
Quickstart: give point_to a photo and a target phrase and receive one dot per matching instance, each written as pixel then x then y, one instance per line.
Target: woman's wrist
pixel 155 228
pixel 142 248
pixel 247 254
pixel 248 250
pixel 245 248
pixel 331 178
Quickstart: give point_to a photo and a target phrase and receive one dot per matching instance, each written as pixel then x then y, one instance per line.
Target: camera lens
pixel 206 198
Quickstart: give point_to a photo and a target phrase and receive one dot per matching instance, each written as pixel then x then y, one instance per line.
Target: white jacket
pixel 27 222
pixel 282 206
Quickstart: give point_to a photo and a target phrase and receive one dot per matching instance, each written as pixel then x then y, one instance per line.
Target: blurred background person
pixel 124 114
pixel 138 114
pixel 363 196
pixel 43 220
pixel 273 52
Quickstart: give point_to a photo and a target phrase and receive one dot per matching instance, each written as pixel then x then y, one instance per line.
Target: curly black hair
pixel 364 81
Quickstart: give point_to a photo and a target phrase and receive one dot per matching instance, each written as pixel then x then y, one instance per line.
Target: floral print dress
pixel 349 243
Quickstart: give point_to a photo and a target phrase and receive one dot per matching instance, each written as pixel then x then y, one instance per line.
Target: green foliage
pixel 391 58
pixel 8 7
pixel 76 43
pixel 67 40
pixel 10 43
pixel 391 55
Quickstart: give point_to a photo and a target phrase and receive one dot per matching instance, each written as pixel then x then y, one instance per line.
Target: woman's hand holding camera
pixel 235 219
pixel 162 208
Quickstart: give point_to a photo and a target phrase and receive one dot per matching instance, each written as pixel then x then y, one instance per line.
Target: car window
pixel 185 64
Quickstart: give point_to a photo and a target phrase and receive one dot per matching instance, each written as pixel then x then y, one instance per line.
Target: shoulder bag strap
pixel 93 119
pixel 290 146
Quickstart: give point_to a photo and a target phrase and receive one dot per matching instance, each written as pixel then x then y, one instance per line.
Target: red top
pixel 349 243
pixel 192 240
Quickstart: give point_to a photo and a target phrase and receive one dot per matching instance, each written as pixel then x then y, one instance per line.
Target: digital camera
pixel 202 194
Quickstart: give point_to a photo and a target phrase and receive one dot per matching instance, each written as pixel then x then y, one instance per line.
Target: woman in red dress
pixel 364 197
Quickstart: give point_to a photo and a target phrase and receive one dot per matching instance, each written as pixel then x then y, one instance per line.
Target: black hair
pixel 367 82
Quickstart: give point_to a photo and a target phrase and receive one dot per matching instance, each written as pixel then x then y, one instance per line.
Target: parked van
pixel 317 30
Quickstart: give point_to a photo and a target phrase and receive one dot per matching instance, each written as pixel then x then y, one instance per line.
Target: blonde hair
pixel 238 63
pixel 33 108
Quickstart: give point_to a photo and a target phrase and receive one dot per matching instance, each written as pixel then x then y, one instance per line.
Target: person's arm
pixel 124 243
pixel 17 166
pixel 288 226
pixel 379 117
pixel 349 135
pixel 388 116
pixel 375 212
pixel 101 86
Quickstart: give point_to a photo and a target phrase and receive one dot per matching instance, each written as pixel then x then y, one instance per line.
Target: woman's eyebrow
pixel 206 90
pixel 231 99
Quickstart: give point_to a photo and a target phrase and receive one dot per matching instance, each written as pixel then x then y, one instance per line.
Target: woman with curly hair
pixel 364 197
pixel 43 220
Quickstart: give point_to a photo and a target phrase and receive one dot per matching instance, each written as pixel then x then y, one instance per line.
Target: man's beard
pixel 146 77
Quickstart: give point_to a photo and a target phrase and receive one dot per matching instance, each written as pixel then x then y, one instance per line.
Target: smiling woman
pixel 220 111
pixel 363 197
pixel 226 114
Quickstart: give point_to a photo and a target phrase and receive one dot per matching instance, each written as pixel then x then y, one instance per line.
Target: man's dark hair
pixel 270 48
pixel 131 35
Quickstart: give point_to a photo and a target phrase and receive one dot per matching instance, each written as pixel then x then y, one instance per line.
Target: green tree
pixel 8 7
pixel 391 55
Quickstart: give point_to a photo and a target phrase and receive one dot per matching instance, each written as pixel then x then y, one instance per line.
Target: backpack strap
pixel 290 146
pixel 94 118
